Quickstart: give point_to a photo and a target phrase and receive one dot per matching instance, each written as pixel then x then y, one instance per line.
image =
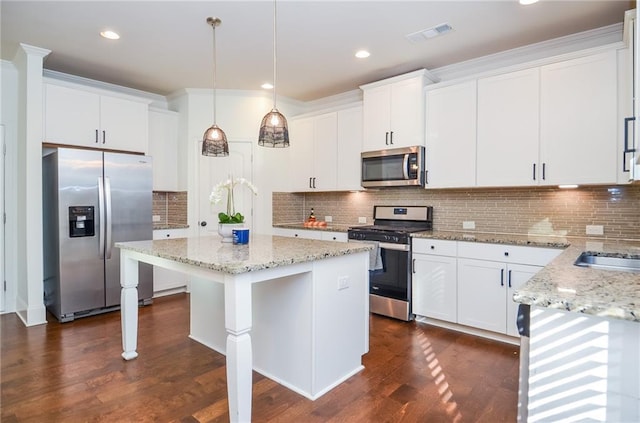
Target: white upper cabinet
pixel 163 148
pixel 451 136
pixel 349 148
pixel 508 122
pixel 75 116
pixel 578 118
pixel 314 146
pixel 394 112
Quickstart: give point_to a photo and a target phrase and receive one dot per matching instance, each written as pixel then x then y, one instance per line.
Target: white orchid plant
pixel 217 193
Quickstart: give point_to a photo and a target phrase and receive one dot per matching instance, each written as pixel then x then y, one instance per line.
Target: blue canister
pixel 241 236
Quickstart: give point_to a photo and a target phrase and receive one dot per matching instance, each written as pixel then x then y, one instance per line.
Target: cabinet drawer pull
pixel 433 247
pixel 506 254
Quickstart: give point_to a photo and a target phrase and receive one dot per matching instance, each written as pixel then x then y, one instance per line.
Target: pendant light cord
pixel 275 47
pixel 214 73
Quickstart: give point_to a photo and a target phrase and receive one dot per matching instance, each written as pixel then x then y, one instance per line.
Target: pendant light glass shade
pixel 214 140
pixel 274 131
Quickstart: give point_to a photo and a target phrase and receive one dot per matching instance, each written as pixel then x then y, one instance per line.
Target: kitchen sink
pixel 608 261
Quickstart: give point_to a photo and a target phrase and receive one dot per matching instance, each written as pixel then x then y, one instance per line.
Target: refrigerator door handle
pixel 107 199
pixel 101 231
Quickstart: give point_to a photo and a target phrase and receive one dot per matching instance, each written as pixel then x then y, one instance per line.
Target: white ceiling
pixel 167 45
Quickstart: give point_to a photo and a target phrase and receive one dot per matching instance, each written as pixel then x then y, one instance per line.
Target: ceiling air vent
pixel 425 34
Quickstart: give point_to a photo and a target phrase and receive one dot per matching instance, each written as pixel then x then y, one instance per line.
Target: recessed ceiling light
pixel 362 54
pixel 267 86
pixel 111 35
pixel 527 2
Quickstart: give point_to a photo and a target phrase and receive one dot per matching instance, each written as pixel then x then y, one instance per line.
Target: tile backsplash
pixel 171 207
pixel 530 210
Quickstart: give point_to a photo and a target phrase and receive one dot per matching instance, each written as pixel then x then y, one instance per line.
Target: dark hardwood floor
pixel 73 372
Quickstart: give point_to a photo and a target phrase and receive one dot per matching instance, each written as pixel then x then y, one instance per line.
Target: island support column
pixel 237 297
pixel 129 305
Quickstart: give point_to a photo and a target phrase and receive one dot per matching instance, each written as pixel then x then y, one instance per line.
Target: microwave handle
pixel 405 167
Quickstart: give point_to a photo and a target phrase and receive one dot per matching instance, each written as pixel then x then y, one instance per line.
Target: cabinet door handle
pixel 391 141
pixel 534 171
pixel 501 277
pixel 104 137
pixel 310 183
pixel 413 266
pixel 97 136
pixel 314 182
pixel 544 171
pixel 386 138
pixel 509 278
pixel 626 143
pixel 426 177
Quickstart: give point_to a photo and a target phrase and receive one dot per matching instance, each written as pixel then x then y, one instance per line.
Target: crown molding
pixel 556 47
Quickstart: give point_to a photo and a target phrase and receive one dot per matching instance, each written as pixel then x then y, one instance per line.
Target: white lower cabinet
pixel 486 291
pixel 434 281
pixel 169 281
pixel 472 283
pixel 488 275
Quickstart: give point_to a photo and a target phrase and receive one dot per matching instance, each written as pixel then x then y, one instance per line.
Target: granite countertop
pixel 165 226
pixel 262 252
pixel 495 238
pixel 598 292
pixel 331 227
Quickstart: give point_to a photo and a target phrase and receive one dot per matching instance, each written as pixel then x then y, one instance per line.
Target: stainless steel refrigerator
pixel 91 200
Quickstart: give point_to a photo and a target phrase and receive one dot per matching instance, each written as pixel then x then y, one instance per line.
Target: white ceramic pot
pixel 226 230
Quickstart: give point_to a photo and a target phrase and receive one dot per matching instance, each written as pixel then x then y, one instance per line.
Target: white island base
pixel 307 334
pixel 295 310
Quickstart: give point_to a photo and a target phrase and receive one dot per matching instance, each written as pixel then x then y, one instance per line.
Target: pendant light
pixel 214 140
pixel 273 129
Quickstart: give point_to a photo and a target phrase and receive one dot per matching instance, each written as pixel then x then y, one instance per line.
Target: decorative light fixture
pixel 273 129
pixel 214 140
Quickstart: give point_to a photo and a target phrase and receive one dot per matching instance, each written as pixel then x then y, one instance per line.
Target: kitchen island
pixel 583 359
pixel 294 310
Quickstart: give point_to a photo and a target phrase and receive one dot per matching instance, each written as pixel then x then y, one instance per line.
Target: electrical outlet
pixel 362 219
pixel 156 218
pixel 470 224
pixel 343 282
pixel 595 230
pixel 328 219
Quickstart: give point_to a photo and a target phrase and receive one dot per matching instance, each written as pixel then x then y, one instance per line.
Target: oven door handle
pixel 396 247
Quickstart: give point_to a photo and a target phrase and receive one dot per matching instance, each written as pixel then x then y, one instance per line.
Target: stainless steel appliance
pixel 390 276
pixel 91 200
pixel 395 167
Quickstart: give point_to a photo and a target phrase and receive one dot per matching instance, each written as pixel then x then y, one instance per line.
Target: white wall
pixel 9 118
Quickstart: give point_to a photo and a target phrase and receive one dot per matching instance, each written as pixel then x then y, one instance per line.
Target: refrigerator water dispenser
pixel 81 221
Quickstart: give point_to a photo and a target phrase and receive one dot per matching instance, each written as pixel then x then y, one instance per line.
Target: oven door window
pixel 393 279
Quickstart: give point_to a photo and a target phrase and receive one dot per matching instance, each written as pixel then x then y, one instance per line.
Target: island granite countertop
pixel 262 251
pixel 331 227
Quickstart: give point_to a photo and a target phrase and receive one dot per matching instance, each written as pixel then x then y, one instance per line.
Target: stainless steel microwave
pixel 394 167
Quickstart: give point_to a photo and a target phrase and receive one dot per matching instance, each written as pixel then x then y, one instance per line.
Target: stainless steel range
pixel 390 267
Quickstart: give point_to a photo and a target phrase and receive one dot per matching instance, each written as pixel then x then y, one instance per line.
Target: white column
pixel 129 305
pixel 237 297
pixel 29 304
